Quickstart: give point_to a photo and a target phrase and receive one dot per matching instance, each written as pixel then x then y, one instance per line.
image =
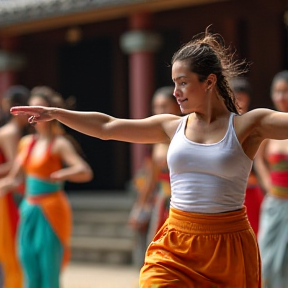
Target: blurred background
pixel 111 55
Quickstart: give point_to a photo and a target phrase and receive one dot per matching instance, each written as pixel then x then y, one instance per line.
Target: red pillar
pixel 141 45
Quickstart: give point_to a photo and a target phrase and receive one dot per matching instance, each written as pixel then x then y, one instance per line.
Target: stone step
pixel 103 244
pixel 100 230
pixel 101 201
pixel 96 217
pixel 102 250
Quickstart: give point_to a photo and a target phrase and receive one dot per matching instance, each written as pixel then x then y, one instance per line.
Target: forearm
pixel 5 168
pixel 89 123
pixel 78 174
pixel 9 184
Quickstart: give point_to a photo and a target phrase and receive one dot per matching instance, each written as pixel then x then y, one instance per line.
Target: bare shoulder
pixel 61 143
pixel 25 141
pixel 170 123
pixel 254 117
pixel 8 130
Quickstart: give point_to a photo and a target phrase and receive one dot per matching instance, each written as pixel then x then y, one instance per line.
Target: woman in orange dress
pixel 47 159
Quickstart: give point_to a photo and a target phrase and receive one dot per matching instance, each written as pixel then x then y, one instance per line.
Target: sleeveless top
pixel 207 178
pixel 38 169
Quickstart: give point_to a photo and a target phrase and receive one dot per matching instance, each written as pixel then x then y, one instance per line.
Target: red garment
pixel 253 199
pixel 8 226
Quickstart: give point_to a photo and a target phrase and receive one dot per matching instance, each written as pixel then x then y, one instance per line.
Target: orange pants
pixel 194 250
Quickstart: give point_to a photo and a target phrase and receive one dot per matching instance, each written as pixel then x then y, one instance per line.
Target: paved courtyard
pixel 78 275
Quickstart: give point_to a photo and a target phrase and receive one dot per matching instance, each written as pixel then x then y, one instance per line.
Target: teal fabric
pixel 39 248
pixel 273 241
pixel 36 186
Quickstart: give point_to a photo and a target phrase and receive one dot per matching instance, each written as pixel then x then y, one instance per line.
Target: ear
pixel 211 81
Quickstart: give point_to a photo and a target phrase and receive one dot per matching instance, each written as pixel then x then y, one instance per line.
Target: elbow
pixel 87 174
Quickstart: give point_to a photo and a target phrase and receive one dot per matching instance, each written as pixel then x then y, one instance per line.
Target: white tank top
pixel 207 178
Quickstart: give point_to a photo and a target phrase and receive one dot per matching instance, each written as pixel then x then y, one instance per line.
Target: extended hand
pixel 36 113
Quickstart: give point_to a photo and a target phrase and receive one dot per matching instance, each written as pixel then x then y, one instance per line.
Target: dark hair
pixel 53 98
pixel 206 54
pixel 17 95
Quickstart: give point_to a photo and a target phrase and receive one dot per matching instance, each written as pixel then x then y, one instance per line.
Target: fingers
pixel 32 121
pixel 17 112
pixel 22 110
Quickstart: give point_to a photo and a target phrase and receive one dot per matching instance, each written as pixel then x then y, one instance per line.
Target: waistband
pixel 198 223
pixel 280 192
pixel 36 199
pixel 35 186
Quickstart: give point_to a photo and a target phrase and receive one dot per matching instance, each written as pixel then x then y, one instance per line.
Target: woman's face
pixel 279 95
pixel 163 104
pixel 189 91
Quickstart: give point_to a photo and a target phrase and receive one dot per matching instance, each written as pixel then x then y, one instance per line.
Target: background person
pixel 152 182
pixel 10 135
pixel 254 194
pixel 271 165
pixel 47 159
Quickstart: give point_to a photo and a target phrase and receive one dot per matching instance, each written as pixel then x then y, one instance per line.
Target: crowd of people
pixel 212 195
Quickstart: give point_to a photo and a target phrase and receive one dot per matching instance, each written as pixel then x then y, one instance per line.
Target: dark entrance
pixel 85 71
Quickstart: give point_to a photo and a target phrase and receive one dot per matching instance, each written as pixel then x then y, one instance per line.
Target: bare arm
pixel 253 127
pixel 155 129
pixel 8 143
pixel 14 178
pixel 272 124
pixel 77 169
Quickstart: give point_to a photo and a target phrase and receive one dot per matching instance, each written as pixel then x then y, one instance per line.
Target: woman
pixel 45 215
pixel 272 167
pixel 153 183
pixel 10 134
pixel 207 240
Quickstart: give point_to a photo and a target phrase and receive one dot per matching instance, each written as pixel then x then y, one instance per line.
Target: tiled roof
pixel 19 11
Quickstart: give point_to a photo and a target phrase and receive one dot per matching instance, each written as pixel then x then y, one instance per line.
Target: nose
pixel 175 92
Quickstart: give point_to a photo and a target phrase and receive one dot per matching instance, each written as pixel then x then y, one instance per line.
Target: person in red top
pixel 254 193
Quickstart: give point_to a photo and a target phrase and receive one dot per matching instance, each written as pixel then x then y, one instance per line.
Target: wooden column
pixel 140 43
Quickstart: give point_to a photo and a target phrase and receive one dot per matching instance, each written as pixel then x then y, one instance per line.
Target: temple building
pixel 112 54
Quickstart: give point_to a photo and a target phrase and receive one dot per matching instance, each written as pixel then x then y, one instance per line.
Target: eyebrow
pixel 179 77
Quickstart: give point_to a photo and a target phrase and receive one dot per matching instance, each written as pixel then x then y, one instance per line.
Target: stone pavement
pixel 79 275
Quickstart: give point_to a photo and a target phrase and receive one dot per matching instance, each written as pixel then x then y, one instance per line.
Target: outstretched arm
pixel 155 129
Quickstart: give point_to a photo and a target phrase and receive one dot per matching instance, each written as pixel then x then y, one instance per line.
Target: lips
pixel 180 101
